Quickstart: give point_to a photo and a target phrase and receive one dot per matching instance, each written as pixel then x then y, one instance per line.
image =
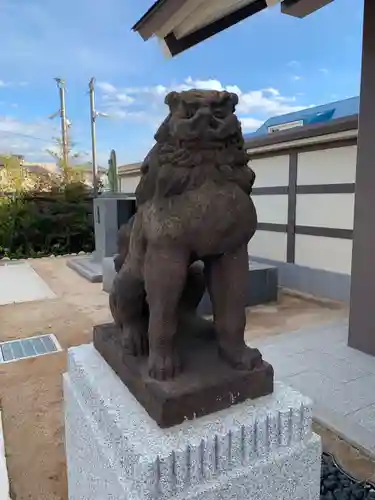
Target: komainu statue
pixel 193 207
pixel 188 237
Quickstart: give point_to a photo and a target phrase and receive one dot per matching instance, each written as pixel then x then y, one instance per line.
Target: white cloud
pixel 147 103
pixel 30 139
pixel 324 71
pixel 272 91
pixel 3 84
pixel 296 78
pixel 250 124
pixel 139 106
pixel 106 87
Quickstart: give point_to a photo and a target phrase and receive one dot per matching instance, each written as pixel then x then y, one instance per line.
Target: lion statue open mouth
pixel 193 207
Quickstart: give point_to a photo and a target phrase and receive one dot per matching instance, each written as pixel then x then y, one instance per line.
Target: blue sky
pixel 275 63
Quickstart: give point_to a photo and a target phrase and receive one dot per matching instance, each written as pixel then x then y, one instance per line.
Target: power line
pixel 19 134
pixel 28 136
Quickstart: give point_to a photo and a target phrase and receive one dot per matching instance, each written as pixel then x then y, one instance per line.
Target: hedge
pixel 37 224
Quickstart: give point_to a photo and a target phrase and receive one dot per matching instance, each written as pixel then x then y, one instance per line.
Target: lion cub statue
pixel 193 206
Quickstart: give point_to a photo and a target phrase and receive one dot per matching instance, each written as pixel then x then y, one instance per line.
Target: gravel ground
pixel 337 485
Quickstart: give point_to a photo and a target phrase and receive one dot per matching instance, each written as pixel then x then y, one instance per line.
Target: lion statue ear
pixel 234 98
pixel 172 99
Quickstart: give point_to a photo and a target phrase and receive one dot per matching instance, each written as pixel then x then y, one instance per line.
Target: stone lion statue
pixel 193 223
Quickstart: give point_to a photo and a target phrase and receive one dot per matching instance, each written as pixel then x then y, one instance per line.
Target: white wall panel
pixel 272 171
pixel 325 210
pixel 272 208
pixel 269 245
pixel 329 254
pixel 327 166
pixel 129 183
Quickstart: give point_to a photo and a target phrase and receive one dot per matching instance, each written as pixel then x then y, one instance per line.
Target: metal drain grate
pixel 39 345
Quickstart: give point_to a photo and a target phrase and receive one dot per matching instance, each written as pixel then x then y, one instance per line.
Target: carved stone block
pixel 261 449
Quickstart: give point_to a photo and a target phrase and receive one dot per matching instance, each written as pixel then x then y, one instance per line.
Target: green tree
pixel 43 181
pixel 12 174
pixel 112 172
pixel 70 172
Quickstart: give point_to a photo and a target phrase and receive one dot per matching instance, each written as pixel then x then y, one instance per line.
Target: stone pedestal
pixel 111 211
pixel 260 450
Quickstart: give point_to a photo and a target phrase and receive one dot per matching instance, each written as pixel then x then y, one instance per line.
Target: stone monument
pixel 166 404
pixel 111 211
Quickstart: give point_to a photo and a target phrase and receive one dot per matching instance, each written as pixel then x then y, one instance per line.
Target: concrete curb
pixel 52 256
pixel 4 479
pixel 351 432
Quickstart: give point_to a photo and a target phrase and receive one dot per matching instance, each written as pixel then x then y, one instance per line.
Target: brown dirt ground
pixel 31 389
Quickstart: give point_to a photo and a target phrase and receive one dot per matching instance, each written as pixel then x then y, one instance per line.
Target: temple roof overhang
pixel 182 24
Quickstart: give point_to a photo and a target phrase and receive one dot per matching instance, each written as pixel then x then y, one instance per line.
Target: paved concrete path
pixel 20 283
pixel 340 380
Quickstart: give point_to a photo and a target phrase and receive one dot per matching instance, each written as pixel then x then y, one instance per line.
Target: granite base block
pixel 259 450
pixel 109 273
pixel 87 267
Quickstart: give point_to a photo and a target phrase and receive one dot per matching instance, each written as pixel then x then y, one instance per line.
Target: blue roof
pixel 317 114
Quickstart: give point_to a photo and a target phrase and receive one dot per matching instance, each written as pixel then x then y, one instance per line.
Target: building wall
pixel 305 203
pixel 272 209
pixel 128 183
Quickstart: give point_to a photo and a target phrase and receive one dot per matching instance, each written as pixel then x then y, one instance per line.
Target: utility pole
pixel 93 115
pixel 64 125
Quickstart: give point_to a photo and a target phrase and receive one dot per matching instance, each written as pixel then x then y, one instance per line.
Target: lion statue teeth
pixel 193 223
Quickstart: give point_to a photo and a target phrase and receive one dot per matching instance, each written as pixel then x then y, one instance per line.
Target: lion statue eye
pixel 219 112
pixel 190 110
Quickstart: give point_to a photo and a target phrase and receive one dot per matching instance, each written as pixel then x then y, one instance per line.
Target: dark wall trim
pixel 270 190
pixel 306 132
pixel 271 226
pixel 292 207
pixel 341 188
pixel 325 232
pixel 283 151
pixel 327 188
